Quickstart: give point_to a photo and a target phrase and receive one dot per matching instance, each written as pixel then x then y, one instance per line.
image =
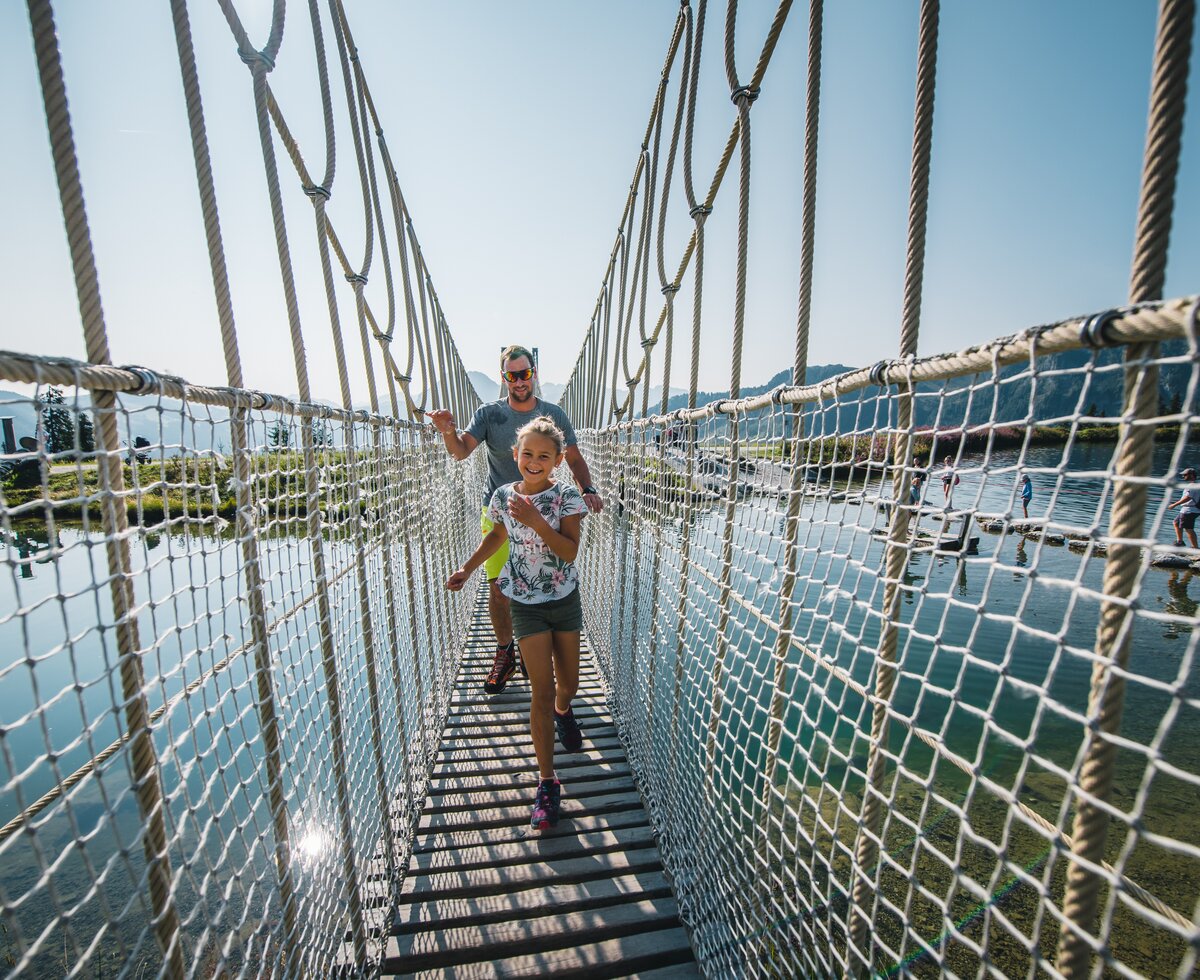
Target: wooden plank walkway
pixel 487 896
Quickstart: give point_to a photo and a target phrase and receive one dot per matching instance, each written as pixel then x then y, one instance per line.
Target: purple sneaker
pixel 546 806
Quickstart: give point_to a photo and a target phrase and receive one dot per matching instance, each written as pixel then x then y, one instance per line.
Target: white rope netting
pixel 885 721
pixel 74 890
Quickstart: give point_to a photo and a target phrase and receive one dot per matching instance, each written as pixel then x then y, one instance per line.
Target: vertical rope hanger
pixel 318 200
pixel 147 779
pixel 1125 562
pixel 773 849
pixel 871 818
pixel 259 63
pixel 246 517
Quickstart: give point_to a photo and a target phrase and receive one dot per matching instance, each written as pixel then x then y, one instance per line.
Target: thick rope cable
pixel 871 817
pixel 791 525
pixel 366 618
pixel 1124 564
pixel 246 516
pixel 146 776
pixel 259 65
pixel 354 82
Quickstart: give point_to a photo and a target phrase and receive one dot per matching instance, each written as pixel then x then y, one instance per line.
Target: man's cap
pixel 1188 474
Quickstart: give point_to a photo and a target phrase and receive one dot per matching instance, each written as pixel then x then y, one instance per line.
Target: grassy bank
pixel 185 488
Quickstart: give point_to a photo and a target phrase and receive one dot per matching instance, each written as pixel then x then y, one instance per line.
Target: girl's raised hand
pixel 522 510
pixel 457 580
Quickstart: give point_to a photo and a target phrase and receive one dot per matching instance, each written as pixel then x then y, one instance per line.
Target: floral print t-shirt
pixel 534 573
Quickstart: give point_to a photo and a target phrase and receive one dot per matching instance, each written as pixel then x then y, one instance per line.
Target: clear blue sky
pixel 515 128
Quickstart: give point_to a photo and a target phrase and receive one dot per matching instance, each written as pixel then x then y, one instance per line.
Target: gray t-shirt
pixel 496 423
pixel 1192 504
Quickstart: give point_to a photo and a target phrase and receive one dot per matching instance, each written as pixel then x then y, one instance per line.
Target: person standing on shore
pixel 1189 500
pixel 918 479
pixel 496 423
pixel 1026 494
pixel 949 478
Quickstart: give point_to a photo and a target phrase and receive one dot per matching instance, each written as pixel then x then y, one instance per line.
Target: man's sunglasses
pixel 511 376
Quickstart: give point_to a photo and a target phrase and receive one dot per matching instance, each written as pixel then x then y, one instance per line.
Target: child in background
pixel 1026 493
pixel 541 520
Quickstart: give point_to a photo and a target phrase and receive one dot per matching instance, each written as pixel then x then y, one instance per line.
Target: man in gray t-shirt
pixel 1189 501
pixel 496 424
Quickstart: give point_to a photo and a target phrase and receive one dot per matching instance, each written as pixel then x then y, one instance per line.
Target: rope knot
pixel 701 211
pixel 317 190
pixel 879 372
pixel 670 288
pixel 262 401
pixel 255 59
pixel 743 93
pixel 355 277
pixel 1095 330
pixel 147 379
pixel 648 343
pixel 404 378
pixel 777 394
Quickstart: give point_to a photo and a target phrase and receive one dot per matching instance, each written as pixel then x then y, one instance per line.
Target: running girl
pixel 540 519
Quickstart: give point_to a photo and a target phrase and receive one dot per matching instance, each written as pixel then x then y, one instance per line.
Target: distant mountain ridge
pixel 814 374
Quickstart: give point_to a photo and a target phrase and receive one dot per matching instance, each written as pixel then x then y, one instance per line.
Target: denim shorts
pixel 563 615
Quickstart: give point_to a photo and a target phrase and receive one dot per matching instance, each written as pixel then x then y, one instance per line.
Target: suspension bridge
pixel 844 717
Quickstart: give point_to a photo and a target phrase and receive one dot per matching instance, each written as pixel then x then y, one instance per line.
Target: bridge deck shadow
pixel 487 896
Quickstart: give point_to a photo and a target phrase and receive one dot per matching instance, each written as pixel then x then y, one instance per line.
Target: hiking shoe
pixel 568 730
pixel 503 667
pixel 546 806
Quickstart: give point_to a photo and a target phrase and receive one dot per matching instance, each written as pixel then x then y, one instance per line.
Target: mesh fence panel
pixel 755 752
pixel 350 564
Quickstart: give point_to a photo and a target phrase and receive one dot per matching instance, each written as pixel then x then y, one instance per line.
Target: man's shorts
pixel 1188 521
pixel 563 615
pixel 494 564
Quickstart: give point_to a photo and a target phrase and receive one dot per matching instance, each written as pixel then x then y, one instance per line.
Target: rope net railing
pixel 885 720
pixel 287 830
pixel 226 667
pixel 746 688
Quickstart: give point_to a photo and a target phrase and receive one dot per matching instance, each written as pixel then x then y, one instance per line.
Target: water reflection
pixel 33 544
pixel 1180 603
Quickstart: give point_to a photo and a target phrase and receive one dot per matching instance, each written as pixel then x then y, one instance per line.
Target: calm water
pixel 994 655
pixel 62 699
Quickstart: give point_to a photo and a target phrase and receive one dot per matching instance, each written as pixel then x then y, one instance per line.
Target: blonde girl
pixel 541 521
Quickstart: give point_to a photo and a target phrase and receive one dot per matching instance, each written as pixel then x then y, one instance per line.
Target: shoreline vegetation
pixel 191 488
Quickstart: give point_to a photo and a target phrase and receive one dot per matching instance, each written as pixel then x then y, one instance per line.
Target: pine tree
pixel 58 430
pixel 279 436
pixel 87 435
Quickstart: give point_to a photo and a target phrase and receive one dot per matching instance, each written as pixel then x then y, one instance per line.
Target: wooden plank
pixel 563 762
pixel 490 795
pixel 622 957
pixel 522 937
pixel 548 847
pixel 567 767
pixel 552 898
pixel 450 838
pixel 519 714
pixel 518 812
pixel 486 881
pixel 518 747
pixel 470 784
